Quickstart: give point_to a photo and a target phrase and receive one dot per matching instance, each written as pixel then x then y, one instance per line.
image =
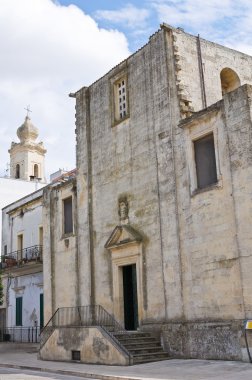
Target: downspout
pixel 201 74
pixel 90 197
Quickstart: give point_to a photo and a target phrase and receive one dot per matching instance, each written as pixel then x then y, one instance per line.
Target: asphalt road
pixel 18 374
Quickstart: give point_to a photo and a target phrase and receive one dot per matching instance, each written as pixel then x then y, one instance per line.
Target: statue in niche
pixel 123 209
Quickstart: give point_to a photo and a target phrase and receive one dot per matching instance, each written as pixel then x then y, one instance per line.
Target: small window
pixel 205 161
pixel 120 99
pixel 17 171
pixel 5 250
pixel 68 215
pixel 76 355
pixel 19 310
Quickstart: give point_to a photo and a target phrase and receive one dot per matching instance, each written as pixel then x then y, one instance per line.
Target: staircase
pixel 142 346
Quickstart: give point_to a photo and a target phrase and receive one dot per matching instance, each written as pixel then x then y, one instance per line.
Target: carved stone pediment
pixel 123 235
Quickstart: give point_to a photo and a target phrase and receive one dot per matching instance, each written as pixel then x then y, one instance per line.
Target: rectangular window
pixel 120 99
pixel 68 215
pixel 5 250
pixel 205 161
pixel 19 310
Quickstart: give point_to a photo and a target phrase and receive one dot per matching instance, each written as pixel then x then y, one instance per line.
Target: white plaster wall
pixel 29 287
pixel 28 224
pixel 14 189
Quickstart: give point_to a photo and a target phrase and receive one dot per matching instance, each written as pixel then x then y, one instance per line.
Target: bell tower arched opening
pixel 36 171
pixel 17 171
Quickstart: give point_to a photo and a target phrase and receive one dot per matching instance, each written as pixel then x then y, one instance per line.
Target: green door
pixel 19 307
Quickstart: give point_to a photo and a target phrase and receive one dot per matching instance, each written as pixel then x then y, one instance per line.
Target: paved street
pixel 24 358
pixel 17 374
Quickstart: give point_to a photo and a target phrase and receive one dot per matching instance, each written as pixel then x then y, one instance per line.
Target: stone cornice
pixel 19 147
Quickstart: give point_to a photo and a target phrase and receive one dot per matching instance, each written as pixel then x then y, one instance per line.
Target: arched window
pixel 229 80
pixel 36 171
pixel 17 171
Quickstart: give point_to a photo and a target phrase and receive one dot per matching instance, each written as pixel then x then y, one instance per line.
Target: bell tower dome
pixel 27 157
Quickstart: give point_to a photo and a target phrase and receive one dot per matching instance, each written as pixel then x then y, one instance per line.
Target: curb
pixel 71 373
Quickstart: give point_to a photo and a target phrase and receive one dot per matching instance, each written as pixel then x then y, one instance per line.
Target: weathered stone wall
pixel 214 237
pixel 196 245
pixel 215 241
pixel 214 58
pixel 60 251
pixel 206 339
pixel 95 346
pixel 123 161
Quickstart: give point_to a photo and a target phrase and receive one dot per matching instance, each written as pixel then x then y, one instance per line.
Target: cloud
pixel 227 22
pixel 48 51
pixel 128 16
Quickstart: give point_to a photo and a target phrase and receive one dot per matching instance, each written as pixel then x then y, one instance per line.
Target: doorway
pixel 41 309
pixel 130 297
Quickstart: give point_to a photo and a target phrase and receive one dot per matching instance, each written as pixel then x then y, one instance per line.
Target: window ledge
pixel 214 186
pixel 121 121
pixel 66 236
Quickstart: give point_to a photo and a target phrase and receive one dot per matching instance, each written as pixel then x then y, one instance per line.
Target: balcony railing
pixel 22 256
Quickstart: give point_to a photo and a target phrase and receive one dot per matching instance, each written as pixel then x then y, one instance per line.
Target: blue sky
pixel 134 18
pixel 228 22
pixel 50 48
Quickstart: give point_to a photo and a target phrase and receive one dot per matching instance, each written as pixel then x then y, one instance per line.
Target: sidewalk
pixel 24 356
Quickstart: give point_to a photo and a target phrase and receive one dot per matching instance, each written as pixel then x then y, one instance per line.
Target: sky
pixel 51 48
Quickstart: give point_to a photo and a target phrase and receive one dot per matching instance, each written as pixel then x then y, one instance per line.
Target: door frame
pixel 128 254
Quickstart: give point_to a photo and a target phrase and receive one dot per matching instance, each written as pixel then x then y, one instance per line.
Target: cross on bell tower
pixel 28 110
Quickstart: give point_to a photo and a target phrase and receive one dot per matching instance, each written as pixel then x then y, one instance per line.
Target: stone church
pixel 162 203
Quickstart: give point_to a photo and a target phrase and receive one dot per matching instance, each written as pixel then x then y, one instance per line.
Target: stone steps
pixel 147 358
pixel 142 346
pixel 137 344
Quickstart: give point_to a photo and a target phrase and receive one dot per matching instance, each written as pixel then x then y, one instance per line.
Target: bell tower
pixel 27 157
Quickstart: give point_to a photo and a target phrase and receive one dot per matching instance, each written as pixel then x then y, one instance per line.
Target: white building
pixel 26 166
pixel 22 235
pixel 22 242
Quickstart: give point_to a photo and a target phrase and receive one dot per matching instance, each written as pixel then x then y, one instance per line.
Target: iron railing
pixel 81 316
pixel 20 334
pixel 22 256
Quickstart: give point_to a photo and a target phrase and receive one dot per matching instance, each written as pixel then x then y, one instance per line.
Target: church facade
pixel 163 197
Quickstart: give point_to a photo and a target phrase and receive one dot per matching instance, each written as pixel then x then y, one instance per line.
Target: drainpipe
pixel 201 72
